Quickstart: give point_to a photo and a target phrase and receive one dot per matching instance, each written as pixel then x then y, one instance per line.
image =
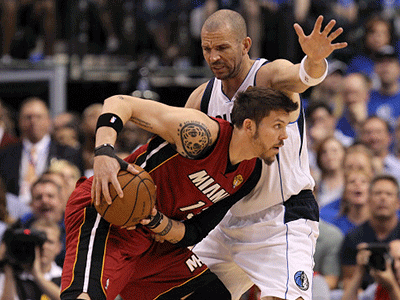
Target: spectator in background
pixel 326 254
pixel 375 134
pixel 48 204
pixel 330 90
pixel 378 32
pixel 6 137
pixel 357 158
pixel 353 205
pixel 396 150
pixel 88 129
pixel 25 161
pixel 321 124
pixel 66 129
pixel 330 183
pixel 5 218
pixel 162 20
pixel 387 282
pixel 360 158
pixel 67 136
pixel 40 279
pixel 23 21
pixel 385 100
pixel 355 92
pixel 69 173
pixel 382 226
pixel 105 12
pixel 131 137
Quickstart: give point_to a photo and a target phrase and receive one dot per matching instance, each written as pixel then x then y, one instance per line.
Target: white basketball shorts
pixel 262 249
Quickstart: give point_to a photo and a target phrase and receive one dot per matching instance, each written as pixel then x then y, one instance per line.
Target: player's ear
pixel 246 45
pixel 250 127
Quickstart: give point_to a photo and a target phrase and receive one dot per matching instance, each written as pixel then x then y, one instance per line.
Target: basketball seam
pixel 112 200
pixel 137 195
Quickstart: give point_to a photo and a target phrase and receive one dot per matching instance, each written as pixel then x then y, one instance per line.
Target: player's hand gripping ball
pixel 139 198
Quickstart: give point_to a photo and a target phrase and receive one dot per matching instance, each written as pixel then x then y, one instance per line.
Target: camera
pixel 379 254
pixel 21 243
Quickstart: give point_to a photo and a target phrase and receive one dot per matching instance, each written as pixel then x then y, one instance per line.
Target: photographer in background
pixel 30 271
pixel 387 281
pixel 383 226
pixel 47 203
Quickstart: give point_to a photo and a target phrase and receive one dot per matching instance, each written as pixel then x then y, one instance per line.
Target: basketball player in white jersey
pixel 267 238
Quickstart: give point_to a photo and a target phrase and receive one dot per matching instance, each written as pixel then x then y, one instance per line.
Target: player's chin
pixel 269 159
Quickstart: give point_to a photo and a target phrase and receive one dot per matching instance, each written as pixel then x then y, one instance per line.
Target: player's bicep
pixel 191 131
pixel 196 135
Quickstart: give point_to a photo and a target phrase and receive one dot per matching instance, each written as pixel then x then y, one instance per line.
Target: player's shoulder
pixel 275 65
pixel 194 100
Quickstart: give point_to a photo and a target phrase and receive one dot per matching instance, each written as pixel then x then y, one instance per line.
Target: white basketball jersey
pixel 288 174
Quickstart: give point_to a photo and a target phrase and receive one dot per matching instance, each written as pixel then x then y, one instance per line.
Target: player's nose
pixel 214 55
pixel 283 135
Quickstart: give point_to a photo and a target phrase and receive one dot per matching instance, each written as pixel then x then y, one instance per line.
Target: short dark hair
pixel 256 103
pixel 376 117
pixel 44 180
pixel 385 177
pixel 314 105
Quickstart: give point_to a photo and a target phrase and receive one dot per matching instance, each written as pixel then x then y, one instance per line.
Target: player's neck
pixel 231 85
pixel 240 147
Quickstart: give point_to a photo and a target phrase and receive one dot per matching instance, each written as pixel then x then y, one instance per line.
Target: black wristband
pixel 110 120
pixel 155 221
pixel 104 149
pixel 103 146
pixel 108 150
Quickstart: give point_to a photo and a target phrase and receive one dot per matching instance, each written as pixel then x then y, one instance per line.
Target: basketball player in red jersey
pixel 200 168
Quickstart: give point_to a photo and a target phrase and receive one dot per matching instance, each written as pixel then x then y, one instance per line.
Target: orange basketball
pixel 139 198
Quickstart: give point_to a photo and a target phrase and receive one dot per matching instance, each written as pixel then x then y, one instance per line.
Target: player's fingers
pixel 299 30
pixel 117 186
pixel 106 192
pixel 335 34
pixel 132 169
pixel 92 191
pixel 145 221
pixel 339 45
pixel 153 211
pixel 97 192
pixel 329 27
pixel 318 24
pixel 129 227
pixel 158 238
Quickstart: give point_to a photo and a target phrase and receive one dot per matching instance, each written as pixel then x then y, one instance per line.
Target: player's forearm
pixel 315 68
pixel 294 78
pixel 169 230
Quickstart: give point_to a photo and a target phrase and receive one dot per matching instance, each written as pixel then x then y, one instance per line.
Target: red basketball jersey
pixel 185 186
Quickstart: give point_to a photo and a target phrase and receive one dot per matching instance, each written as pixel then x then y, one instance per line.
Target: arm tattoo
pixel 141 123
pixel 195 137
pixel 167 228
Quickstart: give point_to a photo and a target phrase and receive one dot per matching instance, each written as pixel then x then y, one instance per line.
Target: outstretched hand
pixel 319 45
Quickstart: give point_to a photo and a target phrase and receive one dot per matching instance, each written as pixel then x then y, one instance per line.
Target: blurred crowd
pixel 352 117
pixel 168 32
